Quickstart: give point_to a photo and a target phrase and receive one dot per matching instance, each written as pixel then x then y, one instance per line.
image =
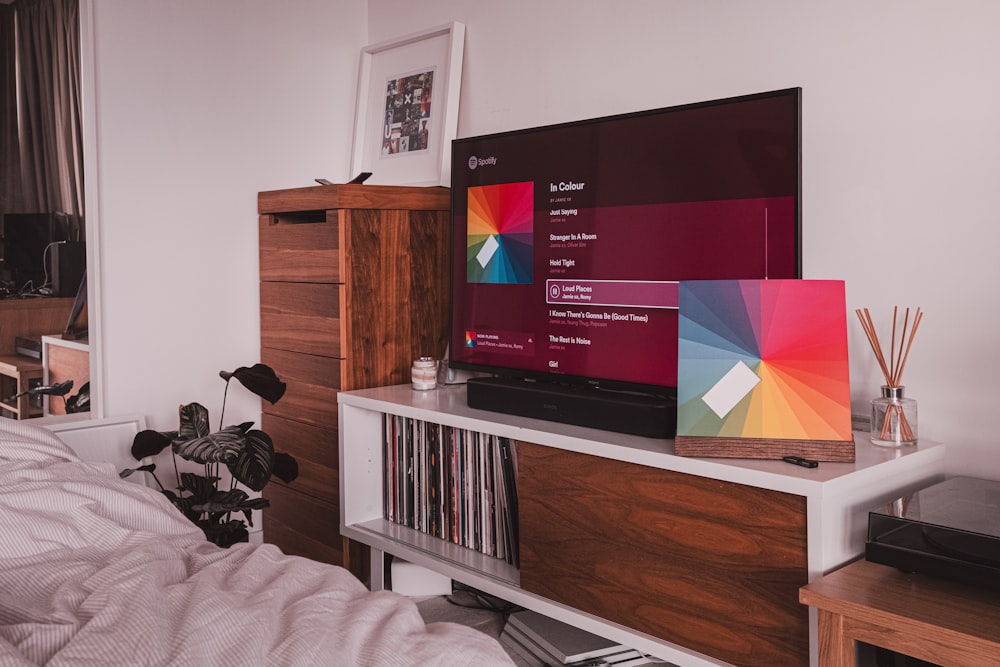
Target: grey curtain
pixel 10 158
pixel 51 141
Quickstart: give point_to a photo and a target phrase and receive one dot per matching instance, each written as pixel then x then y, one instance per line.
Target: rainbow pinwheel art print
pixel 764 359
pixel 500 234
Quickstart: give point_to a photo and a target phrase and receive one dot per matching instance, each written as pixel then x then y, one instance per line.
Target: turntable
pixel 949 530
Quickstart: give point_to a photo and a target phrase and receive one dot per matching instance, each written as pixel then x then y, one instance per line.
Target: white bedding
pixel 95 570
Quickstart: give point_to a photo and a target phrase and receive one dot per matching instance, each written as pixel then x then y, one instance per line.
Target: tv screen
pixel 569 240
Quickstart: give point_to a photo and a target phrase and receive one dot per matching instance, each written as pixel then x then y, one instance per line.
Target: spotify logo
pixel 481 162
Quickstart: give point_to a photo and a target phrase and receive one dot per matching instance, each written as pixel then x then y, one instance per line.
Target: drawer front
pixel 301 525
pixel 315 450
pixel 313 383
pixel 300 247
pixel 301 317
pixel 714 566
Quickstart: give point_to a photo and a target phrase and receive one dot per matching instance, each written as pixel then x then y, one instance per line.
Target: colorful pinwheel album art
pixel 763 359
pixel 499 244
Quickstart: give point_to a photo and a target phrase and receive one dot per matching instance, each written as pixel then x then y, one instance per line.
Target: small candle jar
pixel 423 374
pixel 894 419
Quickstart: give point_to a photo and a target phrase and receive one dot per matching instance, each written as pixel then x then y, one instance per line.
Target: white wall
pixel 900 146
pixel 200 105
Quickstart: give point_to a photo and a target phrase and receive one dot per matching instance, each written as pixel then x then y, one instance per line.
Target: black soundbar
pixel 621 412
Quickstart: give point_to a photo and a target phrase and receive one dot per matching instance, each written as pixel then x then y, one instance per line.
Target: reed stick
pixel 893 370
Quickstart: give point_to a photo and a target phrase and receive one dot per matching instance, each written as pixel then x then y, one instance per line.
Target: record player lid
pixel 960 503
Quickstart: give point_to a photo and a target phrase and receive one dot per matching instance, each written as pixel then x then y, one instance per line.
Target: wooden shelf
pixel 917 615
pixel 18 374
pixel 697 561
pixel 414 542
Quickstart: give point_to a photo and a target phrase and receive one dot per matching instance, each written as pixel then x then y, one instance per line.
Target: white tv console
pixel 696 561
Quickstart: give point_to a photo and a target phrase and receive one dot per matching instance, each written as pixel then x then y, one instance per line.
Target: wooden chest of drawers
pixel 353 289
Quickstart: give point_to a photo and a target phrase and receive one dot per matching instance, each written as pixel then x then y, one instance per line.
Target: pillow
pixel 24 441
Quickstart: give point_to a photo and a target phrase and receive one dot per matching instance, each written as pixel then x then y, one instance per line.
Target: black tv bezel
pixel 573 380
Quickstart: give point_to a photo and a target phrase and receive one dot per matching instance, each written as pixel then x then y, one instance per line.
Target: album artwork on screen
pixel 570 240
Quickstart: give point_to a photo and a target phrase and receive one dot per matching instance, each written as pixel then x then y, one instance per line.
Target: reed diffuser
pixel 894 417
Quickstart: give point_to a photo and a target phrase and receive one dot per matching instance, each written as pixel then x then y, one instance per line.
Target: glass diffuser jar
pixel 894 419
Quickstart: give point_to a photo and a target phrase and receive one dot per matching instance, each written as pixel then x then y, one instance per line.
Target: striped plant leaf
pixel 231 500
pixel 247 453
pixel 194 421
pixel 254 463
pixel 222 446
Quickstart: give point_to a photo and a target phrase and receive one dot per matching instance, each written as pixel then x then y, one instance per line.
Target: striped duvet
pixel 98 571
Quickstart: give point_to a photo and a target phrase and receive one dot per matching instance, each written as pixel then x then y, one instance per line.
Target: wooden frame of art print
pixel 407 107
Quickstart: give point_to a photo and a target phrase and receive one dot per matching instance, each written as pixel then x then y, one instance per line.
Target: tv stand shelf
pixel 696 561
pixel 461 558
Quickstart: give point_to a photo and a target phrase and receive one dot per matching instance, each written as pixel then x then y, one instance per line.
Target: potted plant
pixel 247 453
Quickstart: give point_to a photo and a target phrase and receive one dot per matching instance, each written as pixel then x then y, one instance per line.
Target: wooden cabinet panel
pixel 301 317
pixel 313 382
pixel 300 247
pixel 302 525
pixel 396 300
pixel 64 361
pixel 714 566
pixel 316 451
pixel 373 197
pixel 31 317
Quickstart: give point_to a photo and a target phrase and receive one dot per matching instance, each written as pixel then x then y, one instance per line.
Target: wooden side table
pixel 924 617
pixel 18 373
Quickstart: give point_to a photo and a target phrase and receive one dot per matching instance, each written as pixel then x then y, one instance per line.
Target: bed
pixel 95 570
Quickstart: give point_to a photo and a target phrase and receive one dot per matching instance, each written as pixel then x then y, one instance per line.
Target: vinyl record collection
pixel 452 483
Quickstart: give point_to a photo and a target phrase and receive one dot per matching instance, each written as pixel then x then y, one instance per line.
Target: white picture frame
pixel 407 107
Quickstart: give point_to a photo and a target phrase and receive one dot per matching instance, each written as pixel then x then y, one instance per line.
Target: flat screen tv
pixel 569 240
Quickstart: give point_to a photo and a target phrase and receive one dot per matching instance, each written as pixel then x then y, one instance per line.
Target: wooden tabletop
pixel 15 363
pixel 921 616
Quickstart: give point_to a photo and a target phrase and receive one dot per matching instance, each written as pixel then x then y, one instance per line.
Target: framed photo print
pixel 407 107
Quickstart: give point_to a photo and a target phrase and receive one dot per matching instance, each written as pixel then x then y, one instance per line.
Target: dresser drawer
pixel 314 448
pixel 301 317
pixel 302 526
pixel 303 246
pixel 313 383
